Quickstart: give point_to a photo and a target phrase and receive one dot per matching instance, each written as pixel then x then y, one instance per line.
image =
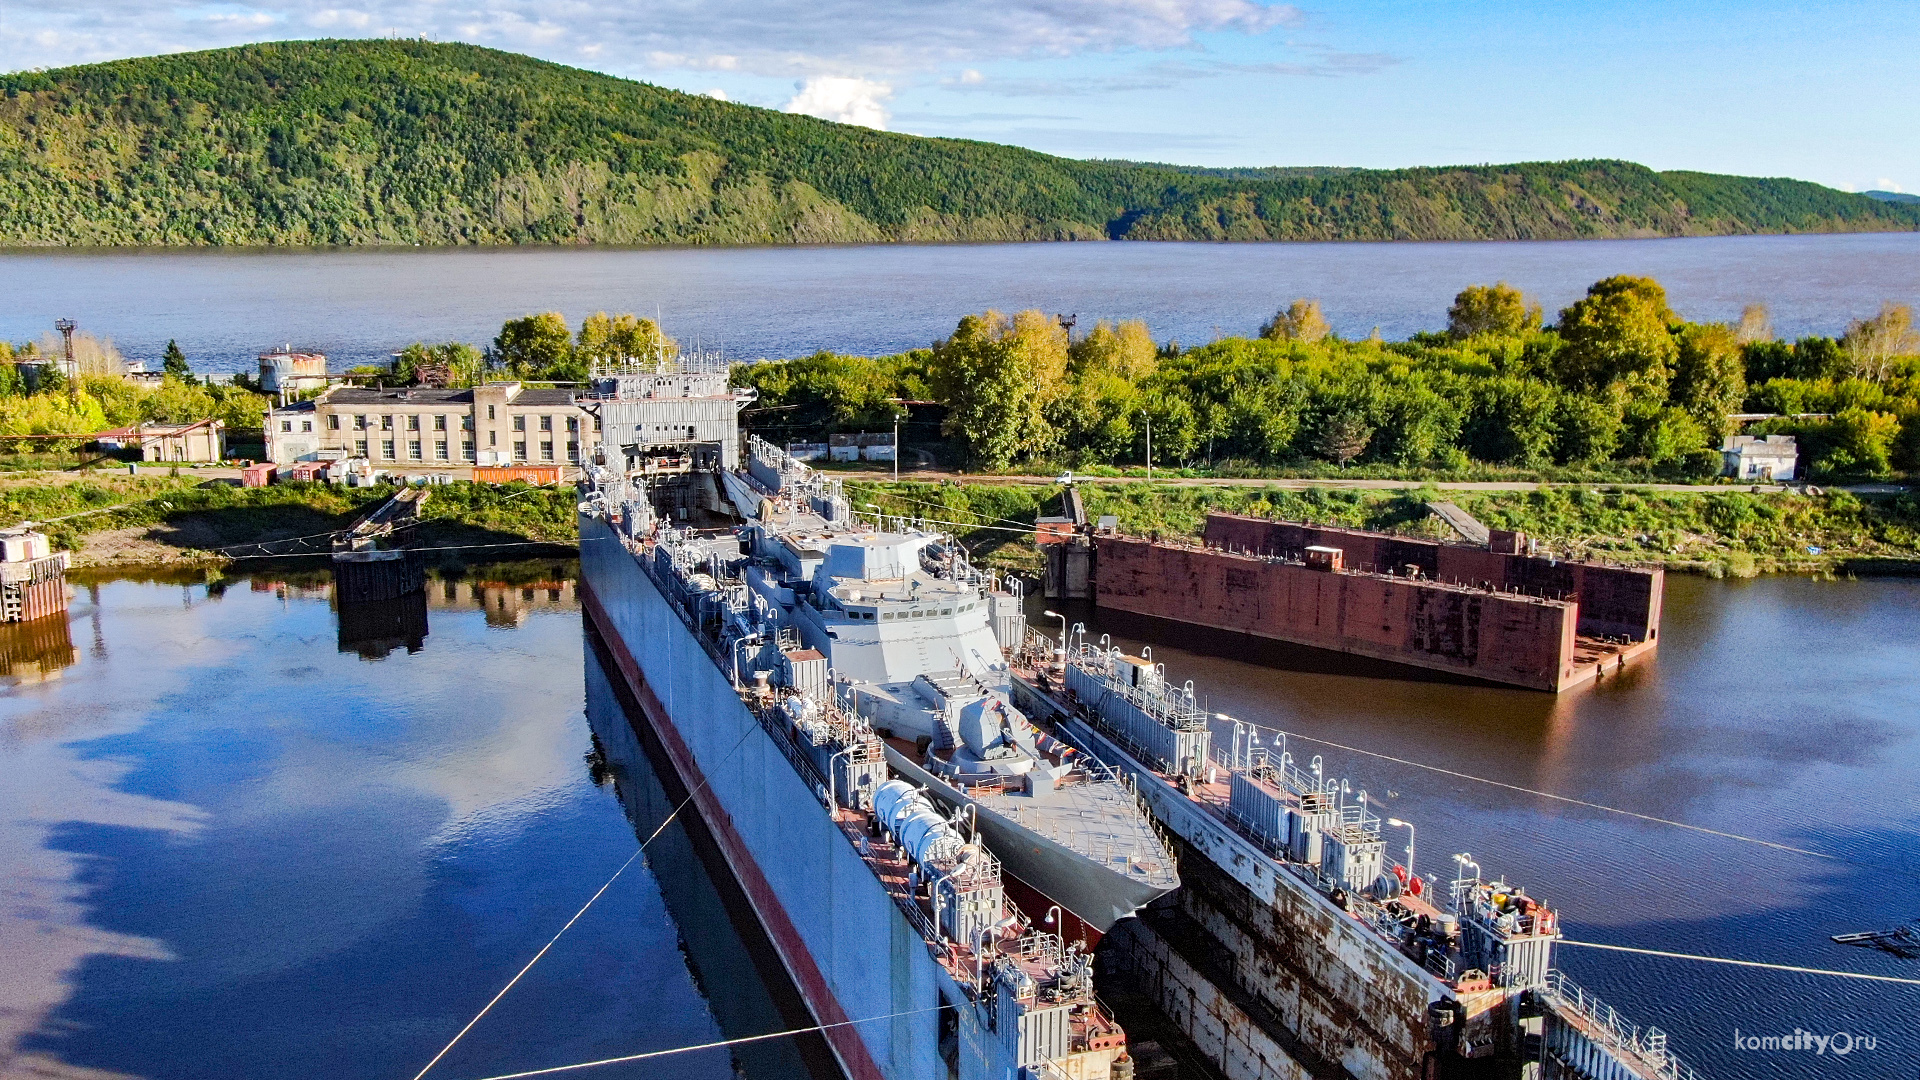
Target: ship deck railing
pixel 1642 1049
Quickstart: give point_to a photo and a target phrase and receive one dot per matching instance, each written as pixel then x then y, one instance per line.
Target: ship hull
pixel 850 952
pixel 1093 894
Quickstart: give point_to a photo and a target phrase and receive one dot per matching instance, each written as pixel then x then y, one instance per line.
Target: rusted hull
pixel 1510 637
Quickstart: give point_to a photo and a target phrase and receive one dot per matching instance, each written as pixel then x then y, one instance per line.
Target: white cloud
pixel 881 39
pixel 972 77
pixel 843 98
pixel 717 94
pixel 1886 184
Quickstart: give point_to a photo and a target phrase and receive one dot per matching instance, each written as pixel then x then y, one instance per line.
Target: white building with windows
pixel 495 424
pixel 1746 457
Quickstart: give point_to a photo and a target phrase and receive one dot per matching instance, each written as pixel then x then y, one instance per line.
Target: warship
pixel 835 699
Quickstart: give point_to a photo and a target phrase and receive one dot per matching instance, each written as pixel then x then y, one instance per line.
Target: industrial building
pixel 284 371
pixel 202 440
pixel 495 424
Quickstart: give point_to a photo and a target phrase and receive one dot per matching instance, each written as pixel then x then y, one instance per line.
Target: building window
pixel 546 450
pixel 573 423
pixel 466 423
pixel 493 438
pixel 489 412
pixel 546 423
pixel 333 422
pixel 360 422
pixel 306 425
pixel 596 423
pixel 440 450
pixel 413 422
pixel 386 421
pixel 286 425
pixel 466 449
pixel 519 423
pixel 386 449
pixel 360 448
pixel 573 451
pixel 413 450
pixel 440 423
pixel 520 451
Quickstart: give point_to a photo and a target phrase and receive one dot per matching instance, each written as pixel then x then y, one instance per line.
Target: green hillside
pixel 401 142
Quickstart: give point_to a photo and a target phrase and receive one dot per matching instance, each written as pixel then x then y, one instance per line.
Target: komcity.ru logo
pixel 1840 1042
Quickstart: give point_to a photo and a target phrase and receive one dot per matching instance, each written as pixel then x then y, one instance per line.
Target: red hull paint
pixel 1034 904
pixel 792 949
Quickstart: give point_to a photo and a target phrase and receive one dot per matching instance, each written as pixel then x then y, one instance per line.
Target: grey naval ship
pixel 835 698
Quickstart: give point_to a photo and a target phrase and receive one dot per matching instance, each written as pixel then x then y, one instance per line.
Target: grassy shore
pixel 131 521
pixel 146 521
pixel 1720 533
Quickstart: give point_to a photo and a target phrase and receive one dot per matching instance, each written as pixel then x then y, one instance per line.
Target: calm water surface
pixel 225 307
pixel 239 842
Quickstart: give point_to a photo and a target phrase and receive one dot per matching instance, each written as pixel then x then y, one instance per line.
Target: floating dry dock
pixel 1296 947
pixel 1487 612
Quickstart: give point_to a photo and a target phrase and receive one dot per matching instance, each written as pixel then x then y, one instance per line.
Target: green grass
pixel 1722 532
pixel 405 142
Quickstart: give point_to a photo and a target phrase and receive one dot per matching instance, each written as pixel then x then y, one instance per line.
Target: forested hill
pixel 400 142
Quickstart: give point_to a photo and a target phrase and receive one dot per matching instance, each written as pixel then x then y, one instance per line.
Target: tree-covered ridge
pixel 401 142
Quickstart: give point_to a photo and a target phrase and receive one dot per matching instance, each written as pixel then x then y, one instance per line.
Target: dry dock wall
pixel 1615 601
pixel 1503 637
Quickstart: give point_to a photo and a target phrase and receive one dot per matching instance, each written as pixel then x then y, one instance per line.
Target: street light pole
pixel 1407 825
pixel 896 448
pixel 1063 633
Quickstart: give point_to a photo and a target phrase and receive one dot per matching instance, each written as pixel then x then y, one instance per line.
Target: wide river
pixel 245 835
pixel 226 307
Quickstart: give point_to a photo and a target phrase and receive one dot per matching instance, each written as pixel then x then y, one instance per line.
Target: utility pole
pixel 72 372
pixel 896 448
pixel 1149 449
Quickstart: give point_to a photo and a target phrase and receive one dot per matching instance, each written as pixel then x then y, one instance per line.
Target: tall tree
pixel 623 339
pixel 1491 309
pixel 1618 332
pixel 1126 351
pixel 990 379
pixel 1756 325
pixel 1301 321
pixel 173 362
pixel 1873 344
pixel 534 346
pixel 1709 377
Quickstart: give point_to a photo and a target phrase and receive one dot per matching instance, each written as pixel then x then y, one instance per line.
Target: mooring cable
pixel 1543 794
pixel 583 910
pixel 1741 963
pixel 550 1070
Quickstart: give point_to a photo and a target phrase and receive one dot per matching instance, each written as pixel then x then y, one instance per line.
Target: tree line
pixel 1616 382
pixel 38 399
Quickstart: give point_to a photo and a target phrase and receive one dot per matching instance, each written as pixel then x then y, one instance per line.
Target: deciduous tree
pixel 1301 321
pixel 1491 309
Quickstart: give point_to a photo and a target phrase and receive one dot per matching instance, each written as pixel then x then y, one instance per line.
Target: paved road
pixel 920 474
pixel 1295 484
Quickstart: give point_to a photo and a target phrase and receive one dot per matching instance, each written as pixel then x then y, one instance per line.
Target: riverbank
pixel 1722 532
pixel 121 521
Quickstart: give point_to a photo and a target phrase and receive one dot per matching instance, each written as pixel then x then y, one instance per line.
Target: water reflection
pixel 32 652
pixel 725 948
pixel 374 628
pixel 232 852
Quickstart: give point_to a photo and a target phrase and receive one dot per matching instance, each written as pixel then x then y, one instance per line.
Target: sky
pixel 1819 92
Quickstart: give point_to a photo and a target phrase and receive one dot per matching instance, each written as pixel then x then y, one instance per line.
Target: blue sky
pixel 1821 92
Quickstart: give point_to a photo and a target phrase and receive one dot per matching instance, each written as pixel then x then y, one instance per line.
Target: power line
pixel 1544 794
pixel 706 1046
pixel 576 915
pixel 1742 963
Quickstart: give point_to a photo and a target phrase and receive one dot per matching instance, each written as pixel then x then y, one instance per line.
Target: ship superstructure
pixel 888 907
pixel 915 638
pixel 1284 839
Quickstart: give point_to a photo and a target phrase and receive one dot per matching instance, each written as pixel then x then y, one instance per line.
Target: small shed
pixel 1772 457
pixel 259 475
pixel 1326 558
